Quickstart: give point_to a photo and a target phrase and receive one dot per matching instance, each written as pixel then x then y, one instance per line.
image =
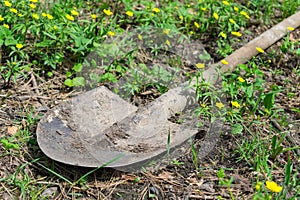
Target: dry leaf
pixel 166 175
pixel 12 130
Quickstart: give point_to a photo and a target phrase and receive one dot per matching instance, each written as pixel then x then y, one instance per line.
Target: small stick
pixel 34 83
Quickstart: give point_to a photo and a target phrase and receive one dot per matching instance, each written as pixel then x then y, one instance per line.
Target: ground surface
pixel 24 105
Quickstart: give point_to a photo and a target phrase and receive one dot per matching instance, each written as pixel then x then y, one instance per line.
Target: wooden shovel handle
pixel 246 52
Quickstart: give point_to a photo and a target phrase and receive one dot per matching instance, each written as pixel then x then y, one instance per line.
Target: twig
pixel 3 186
pixel 24 97
pixel 35 85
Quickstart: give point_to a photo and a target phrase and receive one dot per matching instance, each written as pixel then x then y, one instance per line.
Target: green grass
pixel 56 39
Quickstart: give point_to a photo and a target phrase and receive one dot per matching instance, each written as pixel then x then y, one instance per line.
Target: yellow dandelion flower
pixel 69 17
pixel 129 13
pixel 203 9
pixel 235 8
pixel 33 6
pixel 232 21
pixel 167 31
pixel 220 105
pixel 200 65
pixel 7 3
pixel 54 27
pixel 260 49
pixel 224 62
pixel 93 16
pixel 19 46
pixel 271 185
pixel 140 37
pixel 290 28
pixel 49 16
pixel 74 12
pixel 13 10
pixel 110 33
pixel 6 26
pixel 223 34
pixel 168 43
pixel 235 104
pixel 156 10
pixel 197 25
pixel 216 16
pixel 34 1
pixel 245 14
pixel 181 17
pixel 226 3
pixel 1 18
pixel 35 16
pixel 238 34
pixel 44 14
pixel 107 12
pixel 241 79
pixel 203 105
pixel 20 15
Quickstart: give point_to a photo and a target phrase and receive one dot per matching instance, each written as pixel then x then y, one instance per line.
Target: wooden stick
pixel 264 41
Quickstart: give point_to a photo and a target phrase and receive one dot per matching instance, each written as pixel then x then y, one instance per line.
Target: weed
pixel 195 156
pixel 42 38
pixel 168 145
pixel 9 144
pixel 223 181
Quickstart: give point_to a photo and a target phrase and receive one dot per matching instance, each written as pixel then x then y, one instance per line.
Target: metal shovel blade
pixel 98 126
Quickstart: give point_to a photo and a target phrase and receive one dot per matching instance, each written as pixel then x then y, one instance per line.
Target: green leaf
pixel 86 41
pixel 50 74
pixel 152 195
pixel 278 151
pixel 77 67
pixel 298 51
pixel 8 145
pixel 250 91
pixel 10 41
pixel 288 171
pixel 44 43
pixel 204 56
pixel 237 129
pixel 77 41
pixel 68 82
pixel 95 44
pixel 79 81
pixel 68 74
pixel 27 67
pixel 221 173
pixel 108 77
pixel 119 69
pixel 50 35
pixel 4 32
pixel 295 110
pixel 274 142
pixel 269 100
pixel 21 27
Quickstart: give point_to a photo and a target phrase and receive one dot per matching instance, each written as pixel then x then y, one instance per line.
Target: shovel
pixel 95 127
